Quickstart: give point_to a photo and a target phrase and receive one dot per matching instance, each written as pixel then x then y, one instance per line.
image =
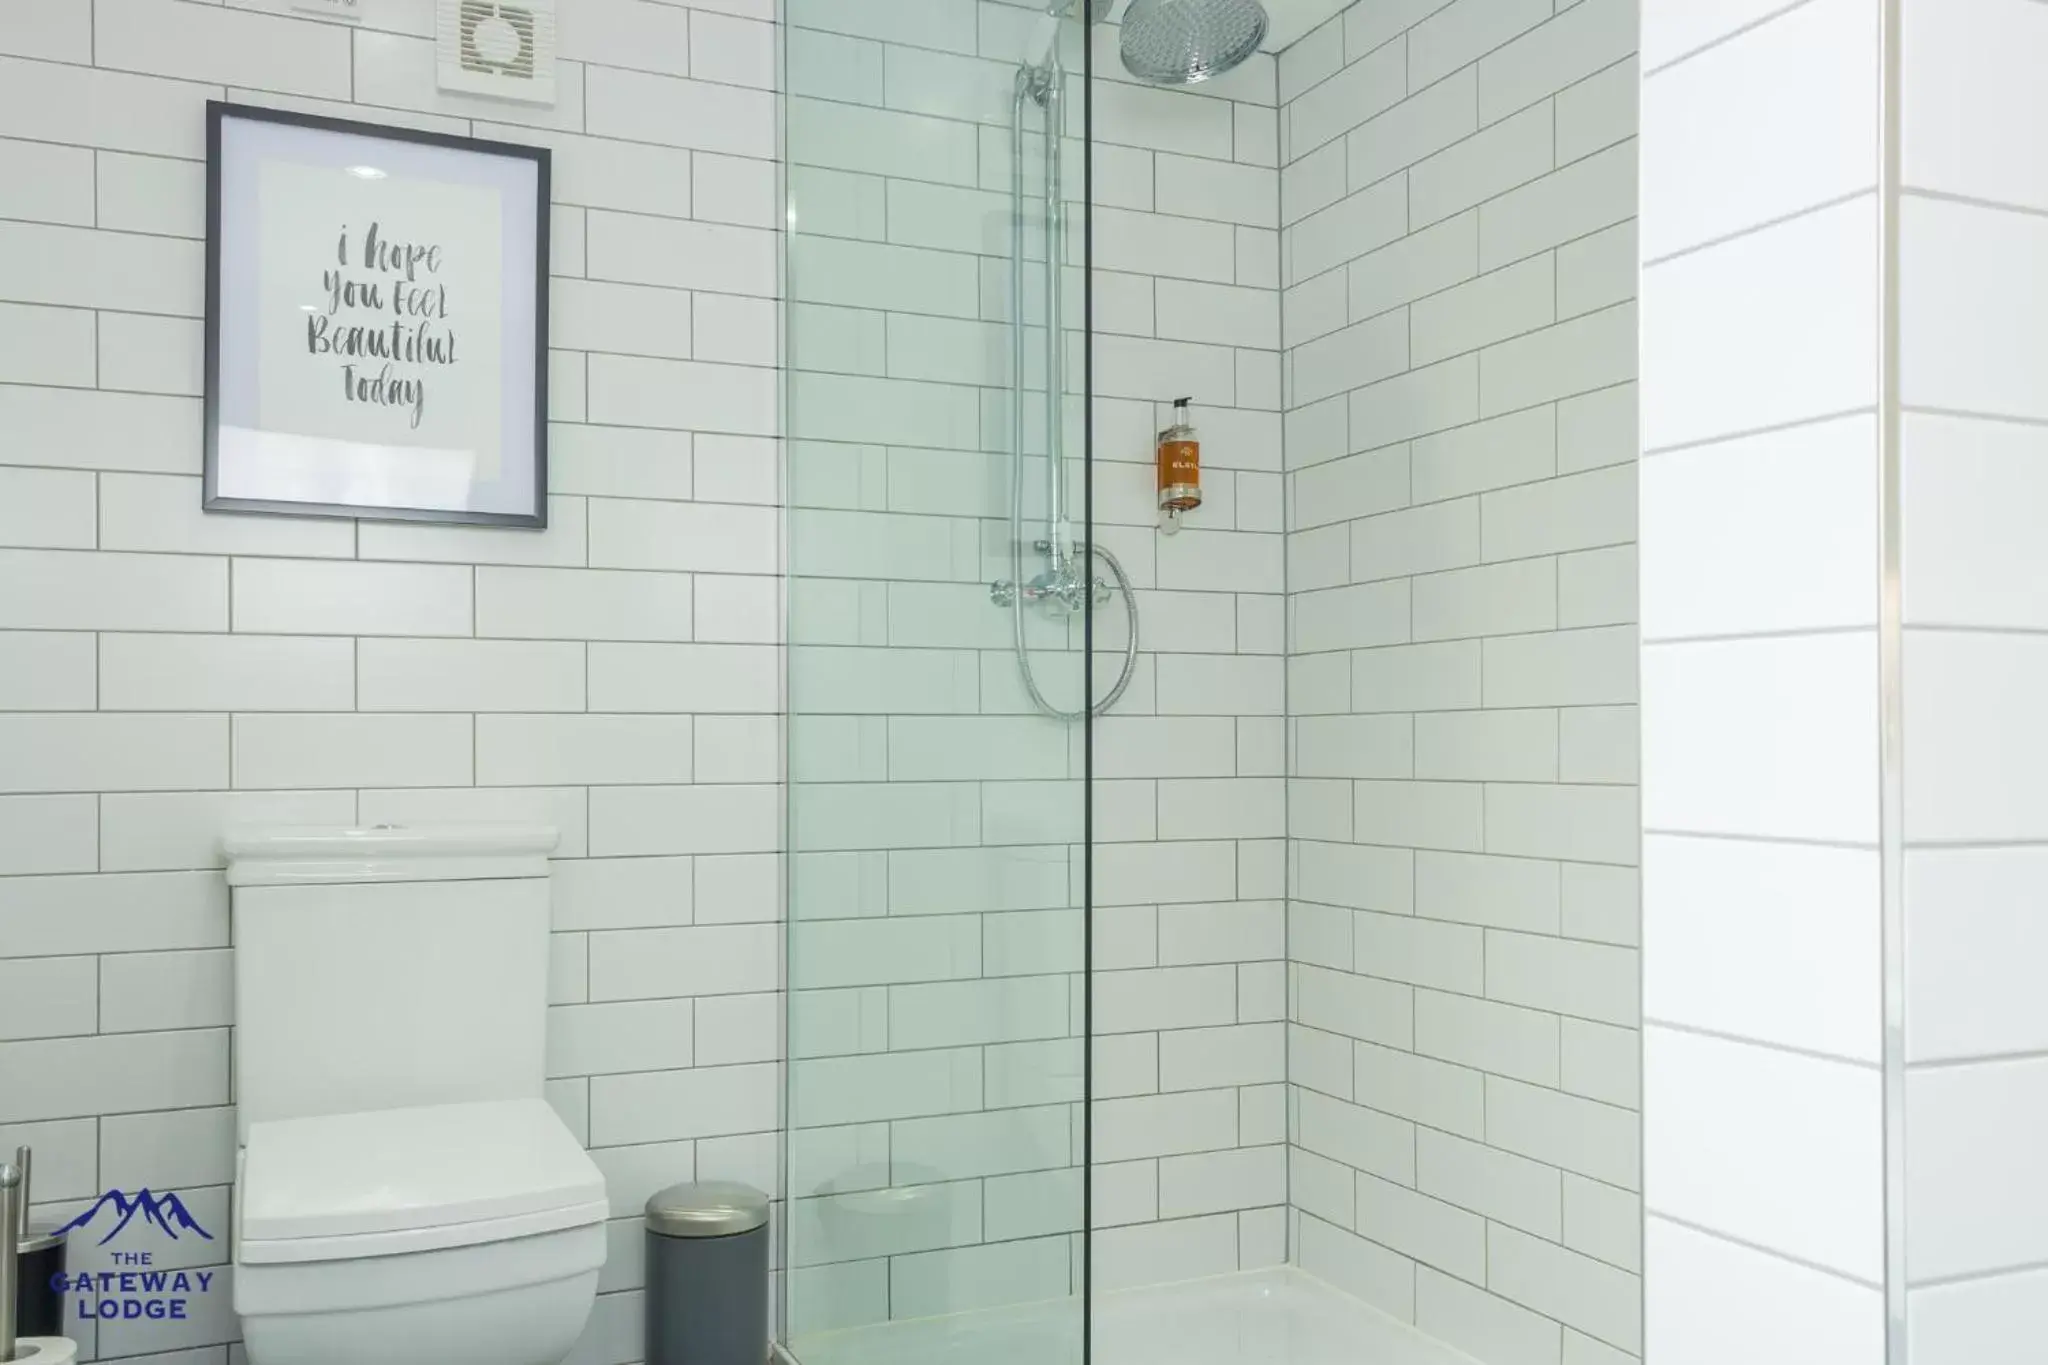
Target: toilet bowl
pixel 403 1194
pixel 466 1234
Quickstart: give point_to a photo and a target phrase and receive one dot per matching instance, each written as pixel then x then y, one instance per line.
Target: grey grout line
pixel 1933 628
pixel 1770 429
pixel 1766 1045
pixel 2028 1057
pixel 1758 229
pixel 2027 1268
pixel 1658 831
pixel 1934 196
pixel 1758 1247
pixel 1416 1264
pixel 1731 36
pixel 1481 1072
pixel 2006 419
pixel 1787 633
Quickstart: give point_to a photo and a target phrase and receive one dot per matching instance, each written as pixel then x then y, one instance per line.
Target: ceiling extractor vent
pixel 501 48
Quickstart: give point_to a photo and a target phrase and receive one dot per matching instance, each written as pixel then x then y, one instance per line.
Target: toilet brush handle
pixel 24 1158
pixel 11 1199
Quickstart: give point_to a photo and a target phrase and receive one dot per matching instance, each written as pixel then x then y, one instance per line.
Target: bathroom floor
pixel 1267 1317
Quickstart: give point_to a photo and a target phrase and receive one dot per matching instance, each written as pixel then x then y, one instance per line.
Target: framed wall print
pixel 376 322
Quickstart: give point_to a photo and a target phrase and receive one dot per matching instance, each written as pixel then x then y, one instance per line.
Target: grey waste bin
pixel 707 1275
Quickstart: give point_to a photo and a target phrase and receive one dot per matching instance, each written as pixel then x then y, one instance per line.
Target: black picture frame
pixel 218 112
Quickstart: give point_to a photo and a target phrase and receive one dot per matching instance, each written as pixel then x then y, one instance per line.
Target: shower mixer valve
pixel 1060 589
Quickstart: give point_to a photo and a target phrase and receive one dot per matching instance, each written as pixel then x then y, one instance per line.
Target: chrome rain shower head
pixel 1183 42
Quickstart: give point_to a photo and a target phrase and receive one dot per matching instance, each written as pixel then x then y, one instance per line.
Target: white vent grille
pixel 501 48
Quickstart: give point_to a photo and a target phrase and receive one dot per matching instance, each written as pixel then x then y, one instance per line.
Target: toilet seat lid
pixel 403 1170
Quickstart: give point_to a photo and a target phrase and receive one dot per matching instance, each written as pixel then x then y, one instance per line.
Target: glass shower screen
pixel 941 589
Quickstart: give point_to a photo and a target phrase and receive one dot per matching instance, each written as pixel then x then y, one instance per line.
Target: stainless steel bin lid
pixel 707 1208
pixel 39 1236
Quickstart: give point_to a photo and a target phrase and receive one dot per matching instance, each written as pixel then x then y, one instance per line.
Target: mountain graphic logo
pixel 167 1211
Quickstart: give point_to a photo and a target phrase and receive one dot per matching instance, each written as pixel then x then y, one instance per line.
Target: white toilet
pixel 403 1194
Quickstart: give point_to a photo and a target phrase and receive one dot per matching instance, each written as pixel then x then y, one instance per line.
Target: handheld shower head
pixel 1184 42
pixel 1046 33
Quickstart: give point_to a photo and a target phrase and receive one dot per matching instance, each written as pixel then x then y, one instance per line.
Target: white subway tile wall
pixel 936 931
pixel 1458 249
pixel 1763 1090
pixel 166 673
pixel 1973 251
pixel 1366 916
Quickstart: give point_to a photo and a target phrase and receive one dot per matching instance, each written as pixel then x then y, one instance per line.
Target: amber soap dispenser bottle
pixel 1180 467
